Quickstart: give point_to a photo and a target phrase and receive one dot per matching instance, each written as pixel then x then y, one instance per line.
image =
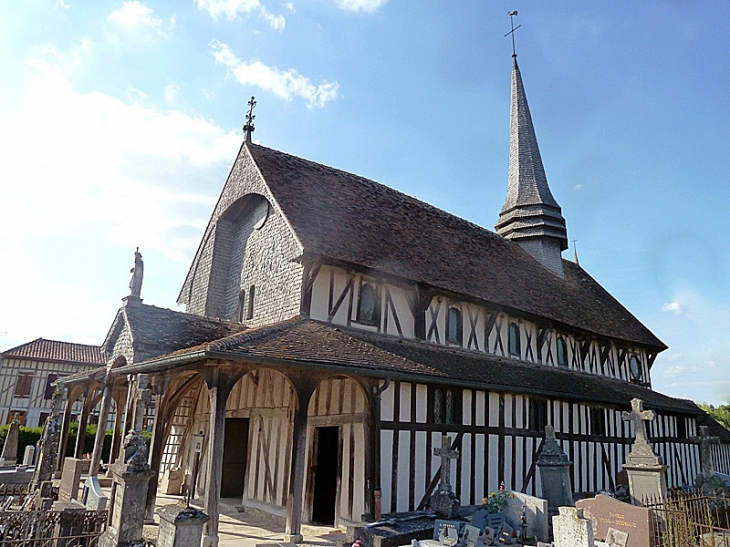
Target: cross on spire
pixel 447 454
pixel 249 128
pixel 638 416
pixel 512 32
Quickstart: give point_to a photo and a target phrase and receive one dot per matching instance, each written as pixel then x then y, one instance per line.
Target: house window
pixel 454 327
pixel 251 291
pixel 538 415
pixel 445 407
pixel 562 350
pixel 22 388
pixel 50 388
pixel 598 421
pixel 368 305
pixel 241 305
pixel 514 339
pixel 18 415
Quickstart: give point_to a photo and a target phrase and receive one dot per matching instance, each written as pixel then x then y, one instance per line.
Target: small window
pixel 18 415
pixel 22 388
pixel 251 291
pixel 635 369
pixel 445 405
pixel 598 421
pixel 50 388
pixel 538 415
pixel 241 305
pixel 514 340
pixel 368 306
pixel 454 327
pixel 562 350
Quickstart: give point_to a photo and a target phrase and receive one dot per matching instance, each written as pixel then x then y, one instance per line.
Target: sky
pixel 119 121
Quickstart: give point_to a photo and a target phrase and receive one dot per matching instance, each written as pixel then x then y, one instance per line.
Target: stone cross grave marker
pixel 444 502
pixel 706 440
pixel 447 454
pixel 638 417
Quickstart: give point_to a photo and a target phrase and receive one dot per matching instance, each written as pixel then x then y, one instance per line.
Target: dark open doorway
pixel 325 475
pixel 235 455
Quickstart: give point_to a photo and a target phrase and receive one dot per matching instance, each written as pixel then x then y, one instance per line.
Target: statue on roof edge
pixel 135 284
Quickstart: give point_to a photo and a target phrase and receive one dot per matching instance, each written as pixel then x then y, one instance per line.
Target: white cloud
pixel 679 370
pixel 233 8
pixel 62 4
pixel 674 307
pixel 366 6
pixel 285 84
pixel 578 187
pixel 290 6
pixel 134 15
pixel 171 93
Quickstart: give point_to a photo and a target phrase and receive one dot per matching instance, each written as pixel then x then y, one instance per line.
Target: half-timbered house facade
pixel 335 329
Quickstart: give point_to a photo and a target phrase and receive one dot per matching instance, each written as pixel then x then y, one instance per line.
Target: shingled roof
pixel 349 218
pixel 305 342
pixel 161 330
pixel 41 349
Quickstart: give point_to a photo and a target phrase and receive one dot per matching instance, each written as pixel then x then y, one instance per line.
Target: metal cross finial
pixel 512 32
pixel 249 128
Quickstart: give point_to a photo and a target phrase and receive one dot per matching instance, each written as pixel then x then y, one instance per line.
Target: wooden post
pixel 101 430
pixel 155 458
pixel 63 440
pixel 120 402
pixel 305 387
pixel 218 389
pixel 81 432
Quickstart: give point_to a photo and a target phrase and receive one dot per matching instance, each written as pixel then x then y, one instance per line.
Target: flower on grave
pixel 497 501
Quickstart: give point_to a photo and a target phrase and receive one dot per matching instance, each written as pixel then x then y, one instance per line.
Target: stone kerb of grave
pixel 608 513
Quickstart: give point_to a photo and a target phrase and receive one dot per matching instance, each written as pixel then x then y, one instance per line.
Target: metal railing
pixel 51 528
pixel 688 519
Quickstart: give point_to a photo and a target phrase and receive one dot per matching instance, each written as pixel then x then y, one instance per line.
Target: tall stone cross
pixel 705 456
pixel 638 416
pixel 447 454
pixel 142 397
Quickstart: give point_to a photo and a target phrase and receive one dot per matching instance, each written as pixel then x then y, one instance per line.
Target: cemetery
pixel 76 509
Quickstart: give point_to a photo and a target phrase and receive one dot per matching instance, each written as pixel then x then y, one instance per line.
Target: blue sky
pixel 119 121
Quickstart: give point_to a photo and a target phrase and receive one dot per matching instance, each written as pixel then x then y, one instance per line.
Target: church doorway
pixel 235 456
pixel 325 475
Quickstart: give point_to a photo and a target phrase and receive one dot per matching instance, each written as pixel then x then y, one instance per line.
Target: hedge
pixel 31 435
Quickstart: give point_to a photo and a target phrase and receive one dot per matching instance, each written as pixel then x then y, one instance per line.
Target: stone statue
pixel 135 284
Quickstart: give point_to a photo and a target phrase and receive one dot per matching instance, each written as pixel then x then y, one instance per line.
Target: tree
pixel 721 413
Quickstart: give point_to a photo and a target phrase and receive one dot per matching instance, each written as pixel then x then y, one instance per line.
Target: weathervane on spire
pixel 249 128
pixel 512 32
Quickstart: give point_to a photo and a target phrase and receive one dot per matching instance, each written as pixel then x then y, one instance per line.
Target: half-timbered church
pixel 335 329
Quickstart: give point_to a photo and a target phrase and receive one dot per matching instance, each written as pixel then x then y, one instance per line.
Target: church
pixel 335 329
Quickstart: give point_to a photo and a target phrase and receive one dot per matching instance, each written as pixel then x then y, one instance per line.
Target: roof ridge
pixel 253 333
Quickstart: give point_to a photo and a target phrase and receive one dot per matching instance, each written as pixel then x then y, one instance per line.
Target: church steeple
pixel 530 215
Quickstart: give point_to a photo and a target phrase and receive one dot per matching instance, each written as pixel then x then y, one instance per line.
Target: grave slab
pixel 536 513
pixel 606 512
pixel 70 478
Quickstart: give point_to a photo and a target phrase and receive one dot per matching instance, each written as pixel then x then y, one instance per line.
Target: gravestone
pixel 707 482
pixel 393 530
pixel 572 529
pixel 93 498
pixel 444 502
pixel 535 511
pixel 70 478
pixel 606 512
pixel 647 474
pixel 48 445
pixel 180 526
pixel 29 455
pixel 172 481
pixel 10 448
pixel 554 469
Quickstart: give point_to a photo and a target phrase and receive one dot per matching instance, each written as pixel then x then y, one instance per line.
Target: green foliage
pixel 721 413
pixel 31 435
